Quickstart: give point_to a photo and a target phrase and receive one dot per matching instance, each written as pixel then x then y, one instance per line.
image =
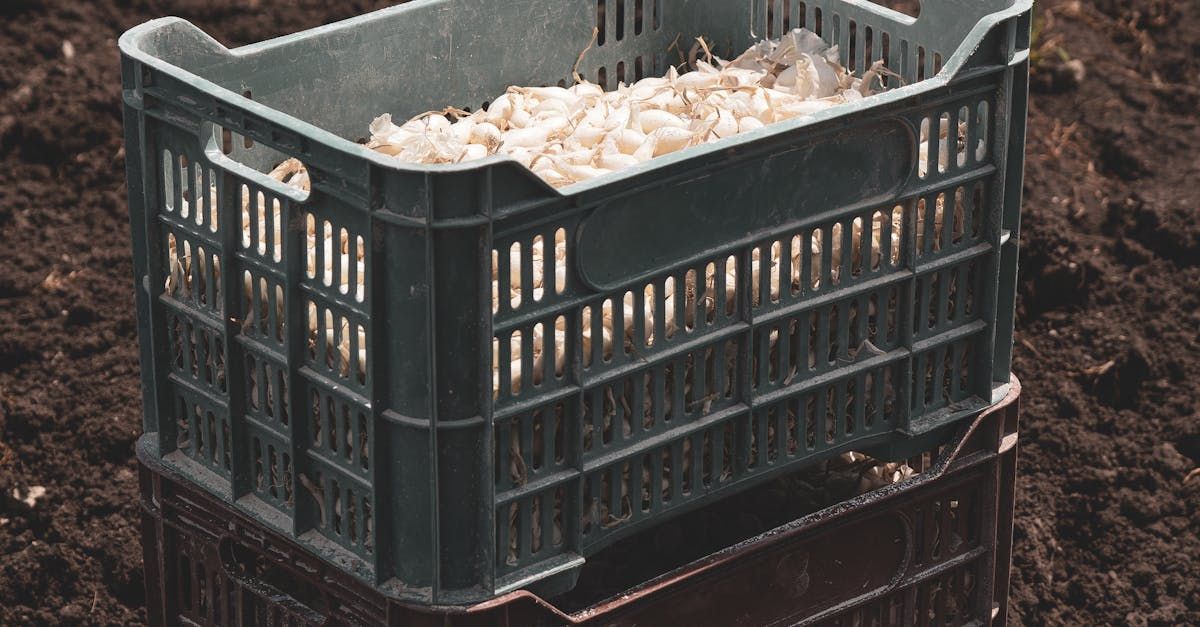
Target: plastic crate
pixel 400 475
pixel 933 550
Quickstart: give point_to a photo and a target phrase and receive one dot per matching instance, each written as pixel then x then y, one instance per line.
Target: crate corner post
pixel 428 236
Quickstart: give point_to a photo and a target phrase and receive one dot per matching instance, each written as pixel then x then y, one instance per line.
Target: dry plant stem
pixel 575 68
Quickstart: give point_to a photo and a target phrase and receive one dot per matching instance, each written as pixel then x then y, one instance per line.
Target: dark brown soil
pixel 1108 345
pixel 1108 342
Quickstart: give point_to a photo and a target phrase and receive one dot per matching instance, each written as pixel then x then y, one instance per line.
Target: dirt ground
pixel 1108 527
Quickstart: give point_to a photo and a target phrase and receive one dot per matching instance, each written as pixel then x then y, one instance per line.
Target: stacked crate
pixel 389 463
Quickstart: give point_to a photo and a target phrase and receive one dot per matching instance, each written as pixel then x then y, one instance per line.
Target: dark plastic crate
pixel 397 470
pixel 932 550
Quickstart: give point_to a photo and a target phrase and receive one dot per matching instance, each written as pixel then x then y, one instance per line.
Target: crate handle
pixel 210 144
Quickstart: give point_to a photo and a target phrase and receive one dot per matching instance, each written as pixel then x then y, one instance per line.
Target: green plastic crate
pixel 402 475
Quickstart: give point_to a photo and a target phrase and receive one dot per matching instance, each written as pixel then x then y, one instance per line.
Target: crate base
pixel 931 550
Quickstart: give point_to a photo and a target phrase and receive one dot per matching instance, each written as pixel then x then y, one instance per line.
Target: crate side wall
pixel 240 270
pixel 857 344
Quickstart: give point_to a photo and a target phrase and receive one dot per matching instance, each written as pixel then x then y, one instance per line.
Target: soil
pixel 1108 528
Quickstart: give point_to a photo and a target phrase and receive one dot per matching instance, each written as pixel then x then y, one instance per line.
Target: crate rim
pixel 133 43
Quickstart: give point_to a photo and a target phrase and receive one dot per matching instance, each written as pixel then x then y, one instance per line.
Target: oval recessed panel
pixel 646 232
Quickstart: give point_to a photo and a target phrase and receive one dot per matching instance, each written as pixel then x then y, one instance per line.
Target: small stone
pixel 31 496
pixel 35 492
pixel 1075 70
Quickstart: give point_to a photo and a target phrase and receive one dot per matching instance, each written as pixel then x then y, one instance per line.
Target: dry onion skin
pixel 566 135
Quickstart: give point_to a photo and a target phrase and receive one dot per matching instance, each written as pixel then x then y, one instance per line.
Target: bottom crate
pixel 931 550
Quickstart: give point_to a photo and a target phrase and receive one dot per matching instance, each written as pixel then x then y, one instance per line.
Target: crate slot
pixel 193 271
pixel 529 273
pixel 944 375
pixel 531 445
pixel 338 346
pixel 191 188
pixel 344 511
pixel 335 258
pixel 263 308
pixel 266 390
pixel 202 433
pixel 601 22
pixel 272 467
pixel 951 219
pixel 982 123
pixel 532 530
pixel 340 430
pixel 197 352
pixel 263 217
pixel 947 297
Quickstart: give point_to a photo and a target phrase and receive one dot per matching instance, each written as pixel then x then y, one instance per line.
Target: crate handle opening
pixel 256 162
pixel 903 7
